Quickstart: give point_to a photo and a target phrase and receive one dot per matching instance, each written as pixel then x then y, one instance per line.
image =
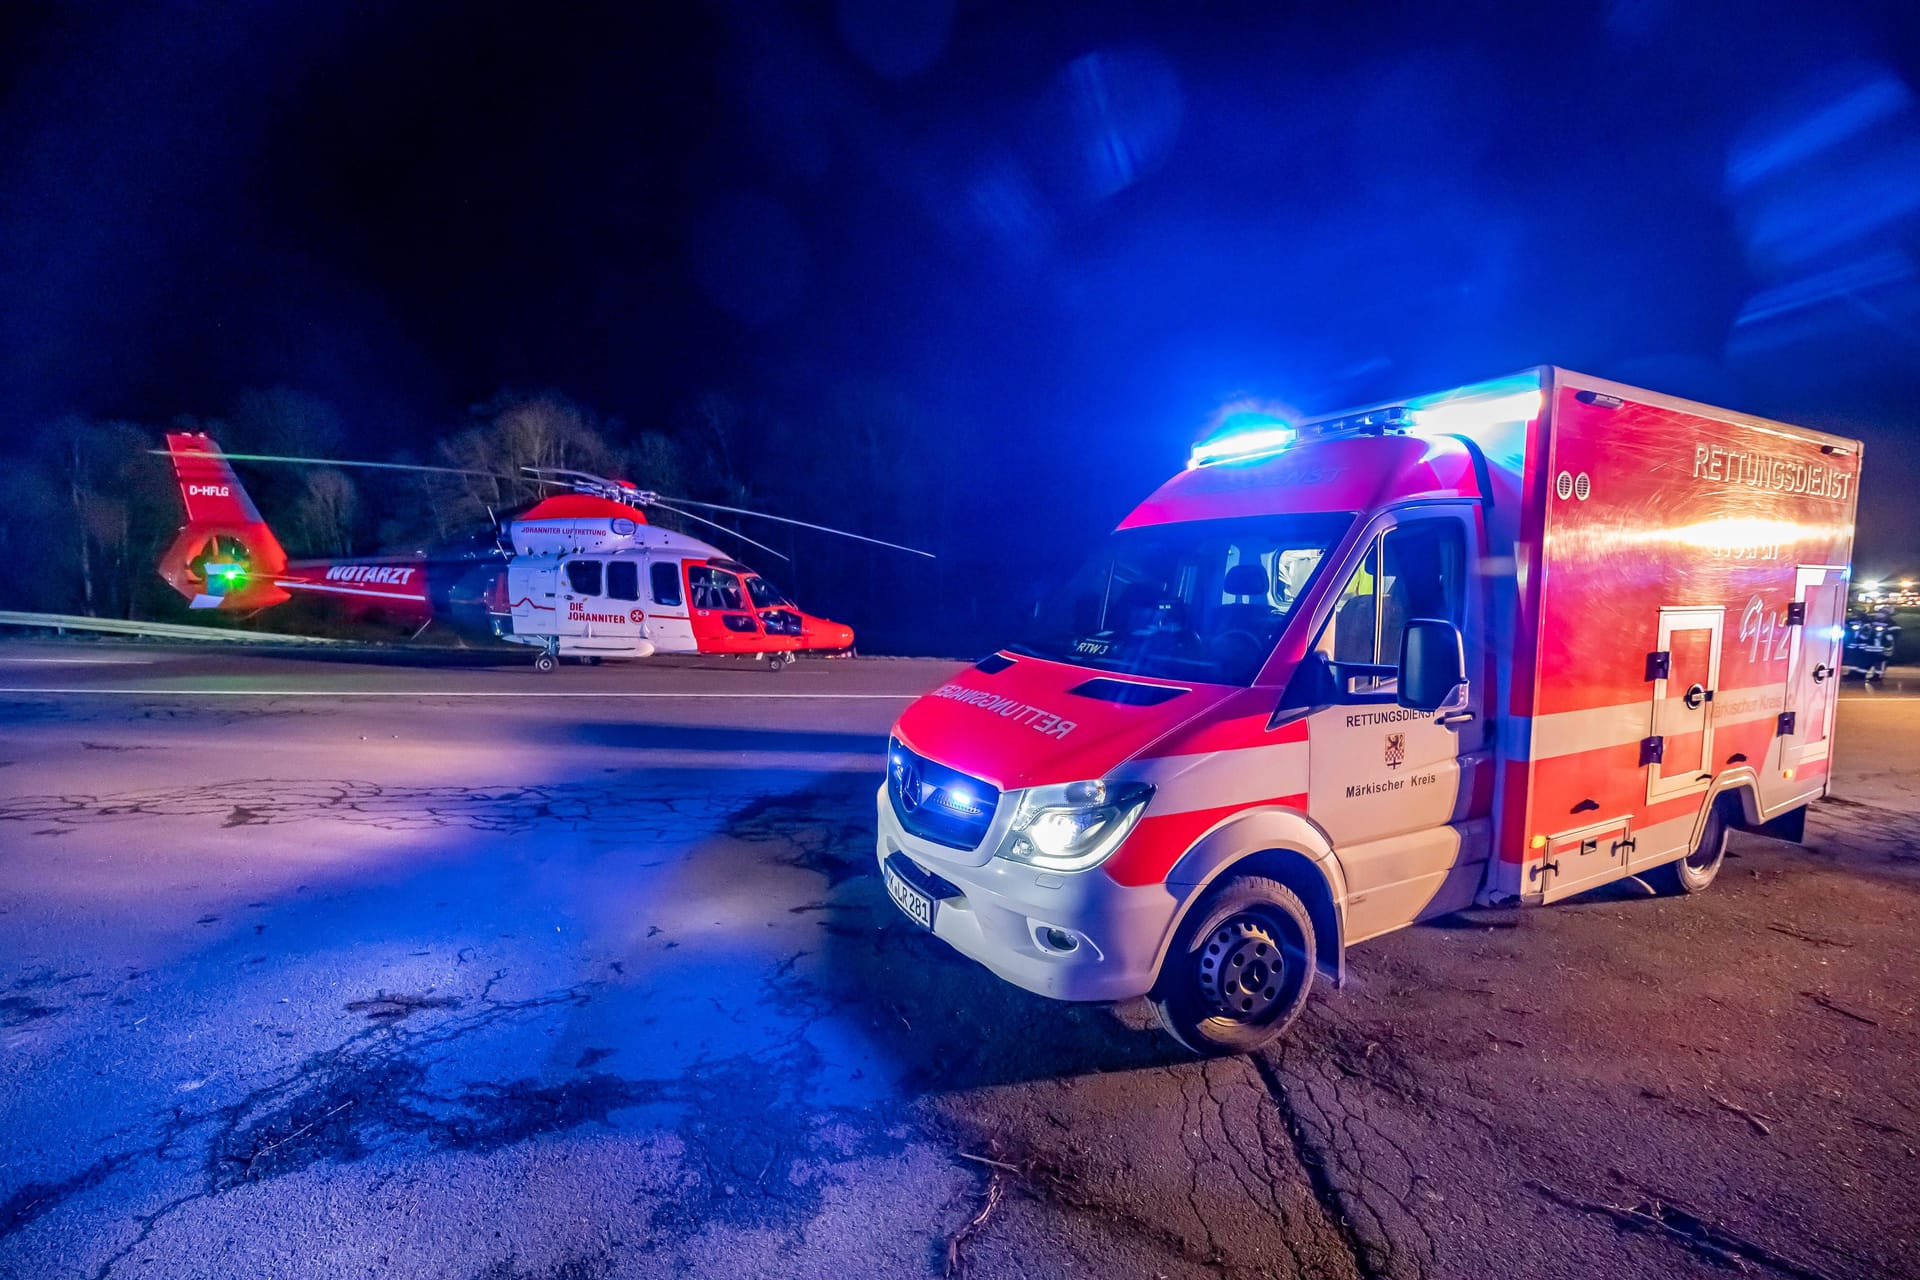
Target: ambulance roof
pixel 1340 473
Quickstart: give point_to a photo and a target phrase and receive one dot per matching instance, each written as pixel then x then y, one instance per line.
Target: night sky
pixel 1057 235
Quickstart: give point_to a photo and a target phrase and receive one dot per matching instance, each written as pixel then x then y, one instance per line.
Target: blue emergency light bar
pixel 1248 437
pixel 1242 443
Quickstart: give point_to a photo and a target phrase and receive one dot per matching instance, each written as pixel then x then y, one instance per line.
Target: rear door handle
pixel 1452 718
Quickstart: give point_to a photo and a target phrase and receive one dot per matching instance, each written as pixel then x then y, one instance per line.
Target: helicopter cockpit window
pixel 623 580
pixel 714 588
pixel 583 577
pixel 664 576
pixel 765 595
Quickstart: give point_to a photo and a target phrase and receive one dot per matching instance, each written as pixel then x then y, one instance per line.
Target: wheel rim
pixel 1243 969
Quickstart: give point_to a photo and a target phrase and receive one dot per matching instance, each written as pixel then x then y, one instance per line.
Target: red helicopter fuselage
pixel 575 574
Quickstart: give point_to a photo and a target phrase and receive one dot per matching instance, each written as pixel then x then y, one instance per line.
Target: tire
pixel 1247 925
pixel 1693 873
pixel 545 663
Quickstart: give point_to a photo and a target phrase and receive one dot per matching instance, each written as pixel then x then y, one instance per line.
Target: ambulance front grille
pixel 937 803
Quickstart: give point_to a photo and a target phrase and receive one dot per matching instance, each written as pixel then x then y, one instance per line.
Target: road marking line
pixel 462 693
pixel 79 662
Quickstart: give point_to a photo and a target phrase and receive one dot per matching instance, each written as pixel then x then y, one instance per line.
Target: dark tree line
pixel 90 505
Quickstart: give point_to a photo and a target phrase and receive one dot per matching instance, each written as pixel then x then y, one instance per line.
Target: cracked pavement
pixel 354 967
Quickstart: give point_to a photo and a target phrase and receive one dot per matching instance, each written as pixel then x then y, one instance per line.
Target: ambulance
pixel 1499 645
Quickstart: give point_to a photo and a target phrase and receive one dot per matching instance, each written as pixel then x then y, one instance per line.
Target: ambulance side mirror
pixel 1433 664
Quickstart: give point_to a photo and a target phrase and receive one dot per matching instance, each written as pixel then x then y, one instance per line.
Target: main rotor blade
pixel 688 515
pixel 804 524
pixel 348 462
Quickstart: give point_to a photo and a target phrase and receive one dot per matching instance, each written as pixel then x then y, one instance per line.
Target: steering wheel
pixel 1223 646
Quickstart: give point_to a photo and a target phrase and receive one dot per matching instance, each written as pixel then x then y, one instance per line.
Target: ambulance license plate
pixel 917 905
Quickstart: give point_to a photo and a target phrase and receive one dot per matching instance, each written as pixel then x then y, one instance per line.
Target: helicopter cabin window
pixel 714 588
pixel 583 577
pixel 623 580
pixel 664 576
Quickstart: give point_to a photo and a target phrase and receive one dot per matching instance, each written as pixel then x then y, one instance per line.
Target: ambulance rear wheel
pixel 1693 873
pixel 545 662
pixel 1240 968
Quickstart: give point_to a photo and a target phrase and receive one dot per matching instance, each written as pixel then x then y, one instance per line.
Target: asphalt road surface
pixel 356 966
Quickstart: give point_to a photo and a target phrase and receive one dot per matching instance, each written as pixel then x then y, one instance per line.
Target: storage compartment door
pixel 1814 665
pixel 1680 749
pixel 1584 858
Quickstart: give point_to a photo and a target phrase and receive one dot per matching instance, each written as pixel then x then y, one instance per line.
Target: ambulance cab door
pixel 668 624
pixel 1813 666
pixel 1406 795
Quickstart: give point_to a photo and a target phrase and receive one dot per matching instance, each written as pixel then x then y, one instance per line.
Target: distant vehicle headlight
pixel 1075 826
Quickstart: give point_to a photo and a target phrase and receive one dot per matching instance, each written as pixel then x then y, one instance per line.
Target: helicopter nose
pixel 822 634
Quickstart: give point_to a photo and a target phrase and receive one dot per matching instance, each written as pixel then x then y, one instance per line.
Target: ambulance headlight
pixel 1073 827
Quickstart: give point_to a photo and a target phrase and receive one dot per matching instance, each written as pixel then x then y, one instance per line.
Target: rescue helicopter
pixel 580 573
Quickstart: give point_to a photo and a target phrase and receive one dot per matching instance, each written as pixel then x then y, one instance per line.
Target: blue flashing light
pixel 1243 437
pixel 958 799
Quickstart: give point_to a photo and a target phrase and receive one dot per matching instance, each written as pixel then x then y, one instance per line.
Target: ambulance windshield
pixel 1202 600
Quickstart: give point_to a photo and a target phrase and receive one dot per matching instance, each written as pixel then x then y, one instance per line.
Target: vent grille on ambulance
pixel 1127 693
pixel 937 803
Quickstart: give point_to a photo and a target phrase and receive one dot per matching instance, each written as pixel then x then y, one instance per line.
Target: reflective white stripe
pixel 1216 779
pixel 1566 733
pixel 1657 844
pixel 349 591
pixel 432 694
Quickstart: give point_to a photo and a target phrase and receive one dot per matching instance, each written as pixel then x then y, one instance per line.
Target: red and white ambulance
pixel 1501 644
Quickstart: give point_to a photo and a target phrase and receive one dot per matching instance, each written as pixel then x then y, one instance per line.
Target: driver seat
pixel 1253 612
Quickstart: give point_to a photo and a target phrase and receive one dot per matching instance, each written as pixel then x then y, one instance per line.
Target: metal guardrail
pixel 153 630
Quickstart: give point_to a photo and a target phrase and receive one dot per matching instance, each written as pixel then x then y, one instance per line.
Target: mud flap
pixel 1790 826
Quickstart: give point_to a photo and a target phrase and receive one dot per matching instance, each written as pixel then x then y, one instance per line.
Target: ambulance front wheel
pixel 545 662
pixel 1239 970
pixel 1693 873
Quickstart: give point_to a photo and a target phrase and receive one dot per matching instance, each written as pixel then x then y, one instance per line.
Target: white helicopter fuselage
pixel 609 587
pixel 588 577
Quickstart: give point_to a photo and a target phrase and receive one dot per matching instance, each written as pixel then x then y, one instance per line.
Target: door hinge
pixel 1797 613
pixel 1543 868
pixel 1786 723
pixel 1652 750
pixel 1625 847
pixel 1659 665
